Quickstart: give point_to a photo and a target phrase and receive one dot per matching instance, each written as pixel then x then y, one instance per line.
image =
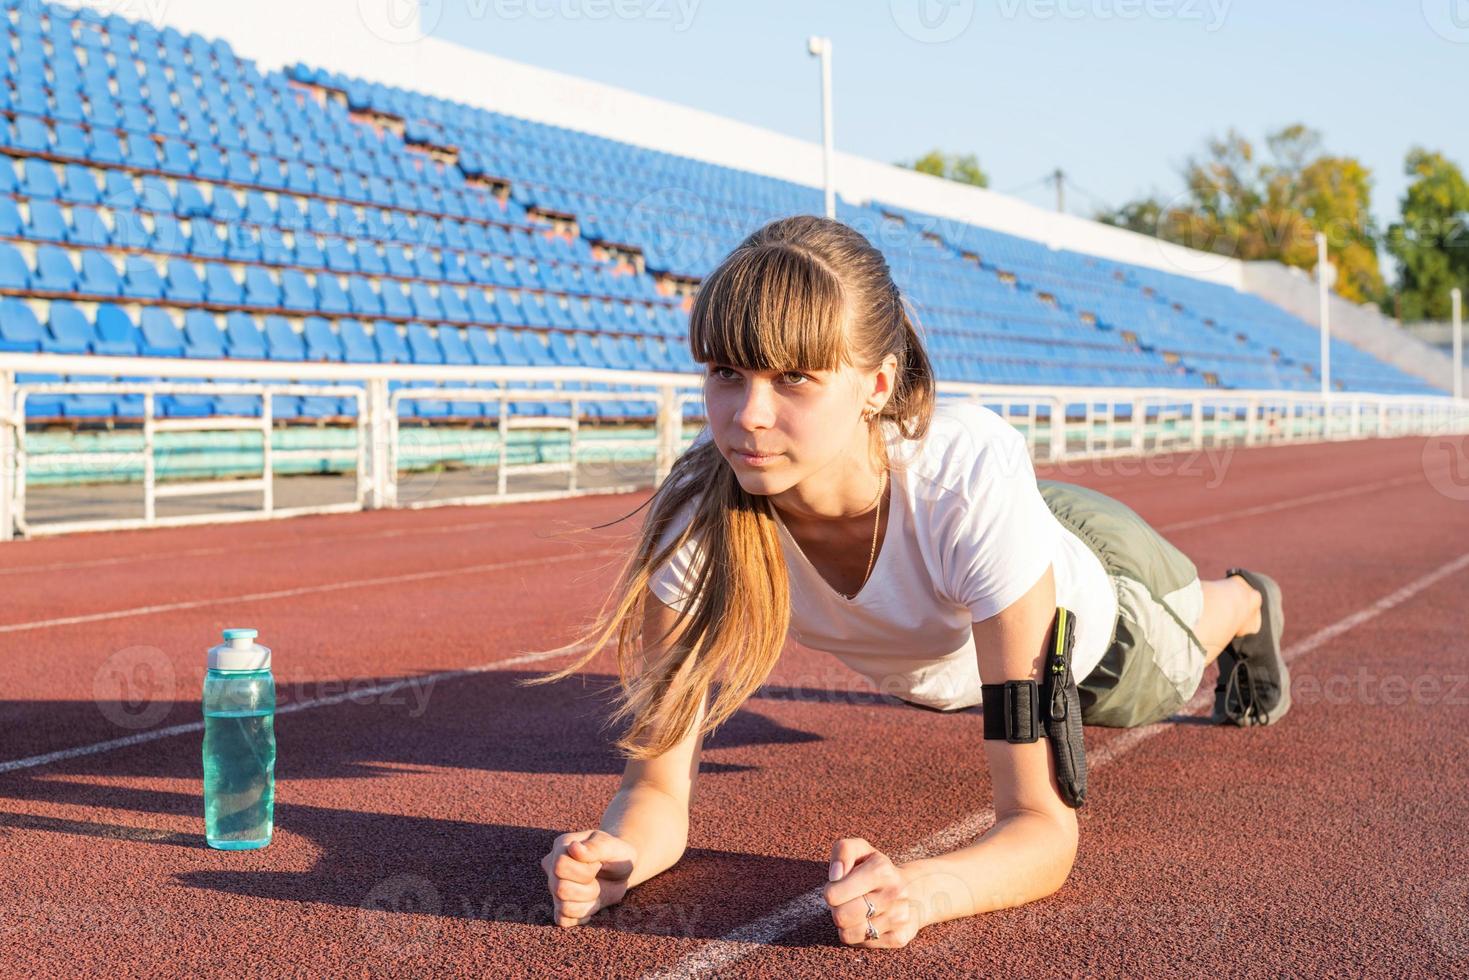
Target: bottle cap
pixel 239 652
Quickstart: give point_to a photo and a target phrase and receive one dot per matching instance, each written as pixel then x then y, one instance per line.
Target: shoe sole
pixel 1275 624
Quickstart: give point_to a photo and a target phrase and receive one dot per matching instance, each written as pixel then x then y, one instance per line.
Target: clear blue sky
pixel 1116 92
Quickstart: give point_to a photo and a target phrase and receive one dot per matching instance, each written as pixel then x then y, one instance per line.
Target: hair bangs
pixel 770 308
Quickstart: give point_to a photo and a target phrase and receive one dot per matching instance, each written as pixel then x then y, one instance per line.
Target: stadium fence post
pixel 670 432
pixel 7 453
pixel 380 431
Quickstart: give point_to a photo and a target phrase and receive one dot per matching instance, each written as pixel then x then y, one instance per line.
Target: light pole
pixel 820 47
pixel 1457 299
pixel 1323 299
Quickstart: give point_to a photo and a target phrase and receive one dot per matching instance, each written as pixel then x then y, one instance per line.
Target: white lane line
pixel 323 702
pixel 325 539
pixel 749 938
pixel 1314 498
pixel 492 566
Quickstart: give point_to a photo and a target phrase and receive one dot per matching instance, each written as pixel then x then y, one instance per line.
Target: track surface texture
pixel 418 787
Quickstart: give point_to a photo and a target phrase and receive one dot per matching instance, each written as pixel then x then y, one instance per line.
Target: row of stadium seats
pixel 95 274
pixel 189 178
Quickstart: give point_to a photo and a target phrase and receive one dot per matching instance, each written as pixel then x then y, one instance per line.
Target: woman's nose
pixel 756 406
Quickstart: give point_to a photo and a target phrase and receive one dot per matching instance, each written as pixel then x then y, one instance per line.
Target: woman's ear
pixel 886 378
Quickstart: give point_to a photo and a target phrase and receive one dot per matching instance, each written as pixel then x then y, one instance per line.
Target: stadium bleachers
pixel 161 196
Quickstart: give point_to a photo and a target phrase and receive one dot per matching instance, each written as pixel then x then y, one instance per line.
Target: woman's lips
pixel 756 460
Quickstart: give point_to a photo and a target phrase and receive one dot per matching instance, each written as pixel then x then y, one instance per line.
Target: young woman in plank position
pixel 911 539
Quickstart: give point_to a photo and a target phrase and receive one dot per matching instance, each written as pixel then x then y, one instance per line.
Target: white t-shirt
pixel 968 533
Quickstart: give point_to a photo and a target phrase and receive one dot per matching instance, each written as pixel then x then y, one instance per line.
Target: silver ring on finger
pixel 870 910
pixel 871 931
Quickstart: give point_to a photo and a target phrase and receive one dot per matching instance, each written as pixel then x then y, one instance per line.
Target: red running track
pixel 416 795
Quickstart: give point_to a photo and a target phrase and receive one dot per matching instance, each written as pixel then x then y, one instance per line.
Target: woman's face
pixel 805 423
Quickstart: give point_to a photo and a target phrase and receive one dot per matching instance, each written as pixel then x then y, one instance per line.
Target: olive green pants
pixel 1154 662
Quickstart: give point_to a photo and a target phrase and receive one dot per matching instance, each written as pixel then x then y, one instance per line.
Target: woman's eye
pixel 794 378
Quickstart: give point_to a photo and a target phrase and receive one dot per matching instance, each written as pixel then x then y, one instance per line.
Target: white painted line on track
pixel 1313 498
pixel 295 541
pixel 751 937
pixel 492 566
pixel 323 702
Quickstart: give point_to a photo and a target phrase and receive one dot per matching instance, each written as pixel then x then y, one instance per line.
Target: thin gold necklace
pixel 876 523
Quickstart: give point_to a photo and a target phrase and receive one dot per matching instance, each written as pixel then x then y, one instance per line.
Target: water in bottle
pixel 239 744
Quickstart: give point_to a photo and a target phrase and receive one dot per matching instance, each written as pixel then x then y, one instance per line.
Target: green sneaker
pixel 1254 682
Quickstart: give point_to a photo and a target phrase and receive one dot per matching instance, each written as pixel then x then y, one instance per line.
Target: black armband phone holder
pixel 1023 711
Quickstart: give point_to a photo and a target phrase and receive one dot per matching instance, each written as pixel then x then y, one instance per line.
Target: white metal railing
pixel 1058 423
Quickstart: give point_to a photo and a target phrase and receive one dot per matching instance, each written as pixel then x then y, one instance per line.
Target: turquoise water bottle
pixel 239 744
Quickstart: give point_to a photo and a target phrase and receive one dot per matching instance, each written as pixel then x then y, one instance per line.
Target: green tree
pixel 1255 206
pixel 963 168
pixel 1431 241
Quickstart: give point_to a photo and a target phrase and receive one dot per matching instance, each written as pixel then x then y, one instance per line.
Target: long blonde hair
pixel 802 293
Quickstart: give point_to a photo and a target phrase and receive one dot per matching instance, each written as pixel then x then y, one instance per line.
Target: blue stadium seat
pixel 220 287
pixel 338 257
pixel 296 292
pixel 365 302
pixel 11 223
pixel 330 297
pixel 390 346
pixel 189 200
pixel 322 344
pixel 70 333
pixel 260 289
pixel 202 336
pixel 283 343
pixel 115 333
pixel 103 145
pixel 39 179
pixel 141 152
pixel 422 345
pixel 395 302
pixel 45 222
pixel 182 283
pixel 30 133
pixel 87 228
pixel 244 338
pixel 452 343
pixel 54 271
pixel 161 336
pixel 307 253
pixel 13 271
pixel 425 305
pixel 20 331
pixel 357 346
pixel 140 278
pixel 81 186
